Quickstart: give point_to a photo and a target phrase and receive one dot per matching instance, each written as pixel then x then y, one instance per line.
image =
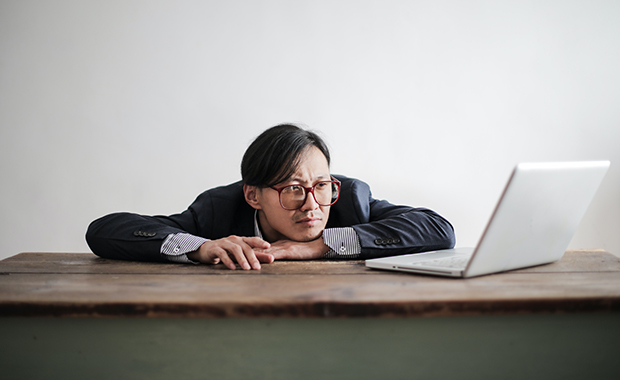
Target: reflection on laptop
pixel 532 224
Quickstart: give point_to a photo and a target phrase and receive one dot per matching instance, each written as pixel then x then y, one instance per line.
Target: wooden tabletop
pixel 84 285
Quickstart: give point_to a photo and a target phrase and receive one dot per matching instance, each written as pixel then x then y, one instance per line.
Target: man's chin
pixel 309 237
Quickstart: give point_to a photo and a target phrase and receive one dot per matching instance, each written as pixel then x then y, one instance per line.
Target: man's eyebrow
pixel 297 179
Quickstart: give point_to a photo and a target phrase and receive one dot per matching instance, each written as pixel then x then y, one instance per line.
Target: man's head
pixel 282 156
pixel 276 154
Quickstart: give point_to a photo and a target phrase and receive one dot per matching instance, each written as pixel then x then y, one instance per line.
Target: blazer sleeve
pixel 385 229
pixel 129 236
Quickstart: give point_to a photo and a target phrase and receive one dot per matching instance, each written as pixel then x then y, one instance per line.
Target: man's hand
pixel 248 252
pixel 294 250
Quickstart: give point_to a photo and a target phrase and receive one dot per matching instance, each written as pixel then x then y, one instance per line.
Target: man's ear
pixel 251 196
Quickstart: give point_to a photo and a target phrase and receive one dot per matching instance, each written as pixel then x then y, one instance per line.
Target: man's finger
pixel 251 256
pixel 265 258
pixel 256 242
pixel 236 251
pixel 222 254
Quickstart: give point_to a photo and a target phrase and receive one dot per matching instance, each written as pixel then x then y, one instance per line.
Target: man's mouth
pixel 308 221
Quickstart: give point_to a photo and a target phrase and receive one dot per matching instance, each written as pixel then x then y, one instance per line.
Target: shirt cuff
pixel 343 243
pixel 176 247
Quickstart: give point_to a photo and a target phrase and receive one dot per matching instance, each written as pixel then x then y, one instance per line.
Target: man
pixel 287 206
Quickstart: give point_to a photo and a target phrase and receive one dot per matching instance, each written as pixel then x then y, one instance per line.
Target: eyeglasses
pixel 293 197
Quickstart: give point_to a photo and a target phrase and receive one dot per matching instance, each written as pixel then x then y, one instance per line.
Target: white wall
pixel 140 105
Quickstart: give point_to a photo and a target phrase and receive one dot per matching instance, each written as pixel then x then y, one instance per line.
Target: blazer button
pixel 144 234
pixel 387 241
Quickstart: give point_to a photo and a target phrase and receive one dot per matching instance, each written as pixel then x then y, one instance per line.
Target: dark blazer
pixel 384 229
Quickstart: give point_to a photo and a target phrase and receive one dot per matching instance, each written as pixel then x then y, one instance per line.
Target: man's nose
pixel 310 203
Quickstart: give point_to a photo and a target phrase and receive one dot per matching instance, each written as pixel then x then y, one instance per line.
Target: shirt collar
pixel 256 227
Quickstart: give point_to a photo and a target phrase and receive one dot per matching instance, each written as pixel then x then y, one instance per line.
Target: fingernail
pixel 246 266
pixel 256 266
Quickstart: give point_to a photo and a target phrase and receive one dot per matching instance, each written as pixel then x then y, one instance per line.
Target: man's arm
pixel 127 236
pixel 335 243
pixel 400 231
pixel 215 215
pixel 105 237
pixel 385 229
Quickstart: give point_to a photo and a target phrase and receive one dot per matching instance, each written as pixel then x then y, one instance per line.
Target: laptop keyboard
pixel 446 262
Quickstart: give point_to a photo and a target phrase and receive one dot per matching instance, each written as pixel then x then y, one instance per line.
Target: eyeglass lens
pixel 293 197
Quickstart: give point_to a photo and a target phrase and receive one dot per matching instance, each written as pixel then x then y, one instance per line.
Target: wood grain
pixel 83 285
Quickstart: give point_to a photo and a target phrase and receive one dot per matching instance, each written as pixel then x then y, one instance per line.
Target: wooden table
pixel 66 314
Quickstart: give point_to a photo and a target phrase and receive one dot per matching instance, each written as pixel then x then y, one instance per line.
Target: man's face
pixel 304 224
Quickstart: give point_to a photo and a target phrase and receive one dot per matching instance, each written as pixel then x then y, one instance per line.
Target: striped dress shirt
pixel 343 243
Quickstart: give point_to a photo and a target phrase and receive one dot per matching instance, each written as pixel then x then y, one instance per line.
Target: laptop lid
pixel 536 215
pixel 533 222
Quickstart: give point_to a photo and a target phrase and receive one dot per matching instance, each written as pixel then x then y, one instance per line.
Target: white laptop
pixel 533 223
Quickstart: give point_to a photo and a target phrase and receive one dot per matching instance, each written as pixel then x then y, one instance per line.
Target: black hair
pixel 275 154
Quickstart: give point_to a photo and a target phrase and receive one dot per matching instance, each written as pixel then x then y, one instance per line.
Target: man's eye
pixel 295 188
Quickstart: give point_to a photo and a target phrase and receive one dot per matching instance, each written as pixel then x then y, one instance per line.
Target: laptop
pixel 532 224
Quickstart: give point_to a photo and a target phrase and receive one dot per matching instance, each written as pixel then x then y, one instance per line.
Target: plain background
pixel 141 105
